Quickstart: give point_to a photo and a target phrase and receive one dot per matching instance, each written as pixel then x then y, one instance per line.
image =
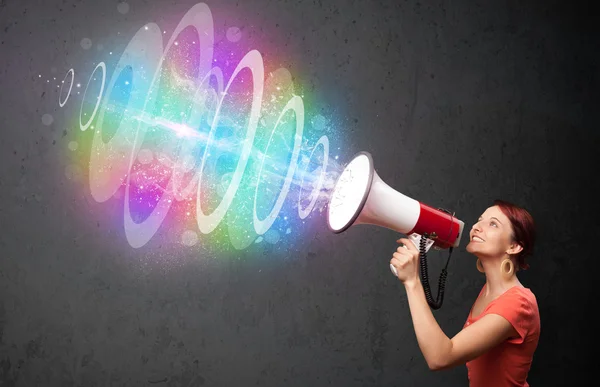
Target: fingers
pixel 401 257
pixel 406 249
pixel 399 260
pixel 404 258
pixel 407 243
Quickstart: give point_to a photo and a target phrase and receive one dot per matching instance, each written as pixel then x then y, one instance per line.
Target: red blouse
pixel 508 363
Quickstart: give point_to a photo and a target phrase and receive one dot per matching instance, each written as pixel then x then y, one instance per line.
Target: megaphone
pixel 360 196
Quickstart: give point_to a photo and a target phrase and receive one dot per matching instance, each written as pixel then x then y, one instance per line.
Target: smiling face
pixel 491 236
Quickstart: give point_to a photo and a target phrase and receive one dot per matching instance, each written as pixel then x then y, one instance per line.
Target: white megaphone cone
pixel 361 197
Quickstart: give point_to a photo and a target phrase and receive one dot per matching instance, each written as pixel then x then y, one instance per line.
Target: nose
pixel 475 226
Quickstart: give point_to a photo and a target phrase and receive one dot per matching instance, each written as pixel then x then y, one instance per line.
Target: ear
pixel 515 248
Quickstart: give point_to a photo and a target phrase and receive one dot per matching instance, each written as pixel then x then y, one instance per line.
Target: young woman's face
pixel 491 235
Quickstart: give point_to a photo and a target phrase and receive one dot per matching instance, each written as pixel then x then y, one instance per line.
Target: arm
pixel 439 351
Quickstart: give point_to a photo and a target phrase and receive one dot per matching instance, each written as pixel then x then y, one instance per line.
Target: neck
pixel 496 282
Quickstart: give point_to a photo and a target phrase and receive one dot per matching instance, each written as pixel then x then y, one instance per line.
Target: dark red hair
pixel 523 229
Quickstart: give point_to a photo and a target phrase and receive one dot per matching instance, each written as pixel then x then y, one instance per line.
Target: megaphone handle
pixel 392 266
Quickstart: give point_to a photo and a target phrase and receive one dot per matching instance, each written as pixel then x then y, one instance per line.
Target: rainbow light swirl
pixel 192 133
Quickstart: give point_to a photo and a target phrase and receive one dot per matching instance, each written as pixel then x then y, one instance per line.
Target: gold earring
pixel 480 266
pixel 507 273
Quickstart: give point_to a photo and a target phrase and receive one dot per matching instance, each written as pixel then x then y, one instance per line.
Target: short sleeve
pixel 518 309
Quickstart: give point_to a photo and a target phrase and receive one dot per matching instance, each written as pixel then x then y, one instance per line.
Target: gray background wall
pixel 459 102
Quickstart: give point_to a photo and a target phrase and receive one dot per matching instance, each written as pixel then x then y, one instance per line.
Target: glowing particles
pixel 101 66
pixel 86 43
pixel 62 102
pixel 145 156
pixel 110 160
pixel 225 182
pixel 303 213
pixel 123 8
pixel 233 34
pixel 272 236
pixel 47 119
pixel 187 163
pixel 296 105
pixel 158 156
pixel 189 238
pixel 253 62
pixel 319 123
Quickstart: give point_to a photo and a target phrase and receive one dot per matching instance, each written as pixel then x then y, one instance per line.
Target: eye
pixel 494 224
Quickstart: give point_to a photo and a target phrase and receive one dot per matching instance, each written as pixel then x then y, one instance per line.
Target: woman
pixel 501 333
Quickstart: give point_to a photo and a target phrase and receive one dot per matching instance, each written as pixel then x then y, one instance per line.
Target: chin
pixel 469 247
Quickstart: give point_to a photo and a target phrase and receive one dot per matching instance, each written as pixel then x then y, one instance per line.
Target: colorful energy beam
pixel 215 143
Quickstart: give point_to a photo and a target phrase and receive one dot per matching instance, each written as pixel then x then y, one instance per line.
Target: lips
pixel 477 239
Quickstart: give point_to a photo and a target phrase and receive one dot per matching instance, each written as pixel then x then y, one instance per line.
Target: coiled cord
pixel 425 276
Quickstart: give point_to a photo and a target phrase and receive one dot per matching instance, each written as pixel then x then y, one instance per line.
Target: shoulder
pixel 519 306
pixel 522 297
pixel 517 298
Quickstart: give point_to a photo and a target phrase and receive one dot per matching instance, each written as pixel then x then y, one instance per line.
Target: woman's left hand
pixel 406 261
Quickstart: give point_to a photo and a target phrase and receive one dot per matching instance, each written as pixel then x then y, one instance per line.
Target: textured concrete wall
pixel 460 103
